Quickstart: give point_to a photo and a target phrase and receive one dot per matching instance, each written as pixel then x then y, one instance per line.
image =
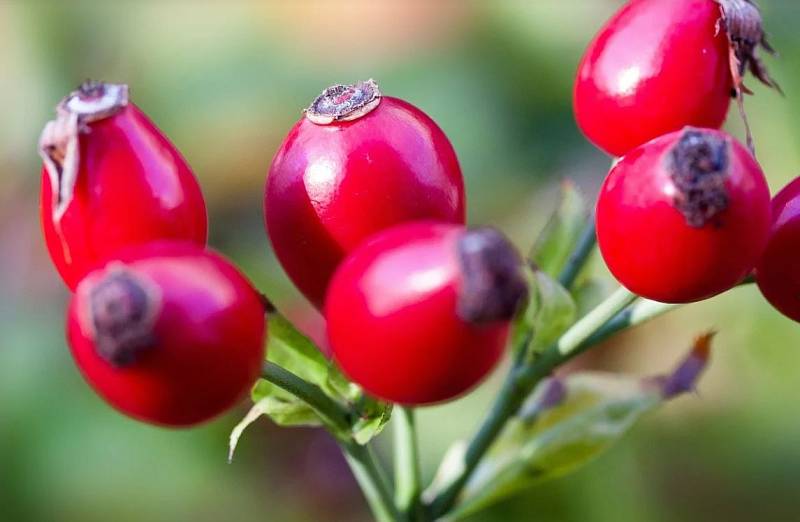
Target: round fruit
pixel 659 65
pixel 683 217
pixel 420 313
pixel 168 333
pixel 356 163
pixel 778 271
pixel 111 179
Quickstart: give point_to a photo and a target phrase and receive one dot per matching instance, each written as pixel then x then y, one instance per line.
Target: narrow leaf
pixel 549 312
pixel 290 349
pixel 452 466
pixel 255 412
pixel 568 422
pixel 560 235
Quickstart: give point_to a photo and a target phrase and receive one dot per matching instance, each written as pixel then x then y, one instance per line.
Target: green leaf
pixel 279 405
pixel 290 349
pixel 373 415
pixel 282 407
pixel 567 422
pixel 555 313
pixel 549 312
pixel 452 466
pixel 560 235
pixel 590 292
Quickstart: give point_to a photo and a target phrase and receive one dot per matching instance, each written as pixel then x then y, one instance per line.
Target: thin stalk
pixel 639 312
pixel 579 256
pixel 642 311
pixel 406 461
pixel 369 476
pixel 331 411
pixel 519 384
pixel 363 464
pixel 620 311
pixel 593 321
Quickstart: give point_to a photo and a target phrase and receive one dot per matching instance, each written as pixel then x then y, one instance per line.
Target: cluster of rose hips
pixel 169 332
pixel 685 212
pixel 364 206
pixel 163 329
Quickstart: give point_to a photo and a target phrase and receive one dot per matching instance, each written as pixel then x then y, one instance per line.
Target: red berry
pixel 420 313
pixel 778 271
pixel 683 217
pixel 357 163
pixel 168 333
pixel 111 179
pixel 659 65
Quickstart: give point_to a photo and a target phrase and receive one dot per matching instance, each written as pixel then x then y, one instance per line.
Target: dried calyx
pixel 344 102
pixel 93 101
pixel 58 143
pixel 684 378
pixel 744 26
pixel 494 285
pixel 698 167
pixel 122 310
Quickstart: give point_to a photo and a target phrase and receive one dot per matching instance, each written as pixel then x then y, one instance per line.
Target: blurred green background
pixel 225 81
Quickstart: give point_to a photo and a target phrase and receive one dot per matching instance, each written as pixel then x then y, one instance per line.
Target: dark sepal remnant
pixel 90 89
pixel 744 26
pixel 742 22
pixel 698 166
pixel 122 313
pixel 685 377
pixel 344 102
pixel 494 285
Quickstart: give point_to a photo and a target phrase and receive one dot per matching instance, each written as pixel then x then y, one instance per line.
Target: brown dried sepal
pixel 120 315
pixel 684 378
pixel 698 168
pixel 58 143
pixel 744 26
pixel 344 102
pixel 494 285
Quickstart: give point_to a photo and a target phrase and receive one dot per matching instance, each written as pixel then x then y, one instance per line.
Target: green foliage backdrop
pixel 225 80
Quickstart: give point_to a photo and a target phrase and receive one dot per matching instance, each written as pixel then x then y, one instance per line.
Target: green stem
pixel 331 411
pixel 519 384
pixel 579 256
pixel 369 476
pixel 639 312
pixel 592 322
pixel 406 461
pixel 620 311
pixel 360 458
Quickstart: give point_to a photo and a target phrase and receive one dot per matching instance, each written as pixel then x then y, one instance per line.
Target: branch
pixel 363 464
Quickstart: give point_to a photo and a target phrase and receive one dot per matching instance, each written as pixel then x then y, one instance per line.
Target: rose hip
pixel 420 313
pixel 168 333
pixel 355 164
pixel 659 65
pixel 111 179
pixel 778 272
pixel 683 217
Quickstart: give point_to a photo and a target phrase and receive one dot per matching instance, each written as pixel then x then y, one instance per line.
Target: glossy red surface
pixel 133 186
pixel 778 272
pixel 649 247
pixel 209 338
pixel 331 186
pixel 655 67
pixel 392 322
